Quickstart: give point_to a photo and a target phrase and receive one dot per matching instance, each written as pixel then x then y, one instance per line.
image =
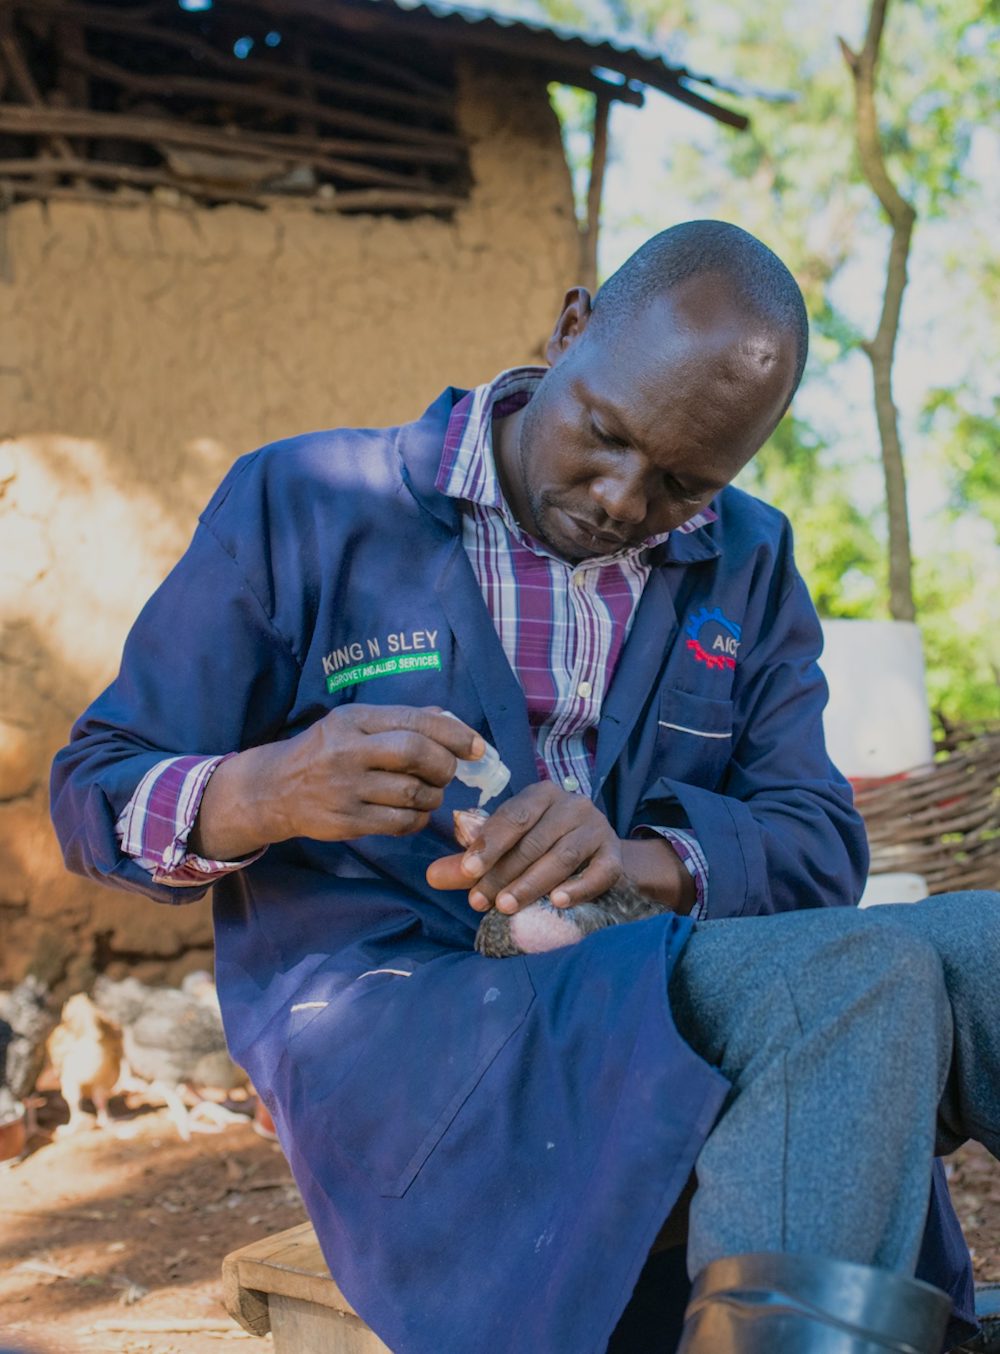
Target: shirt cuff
pixel 692 858
pixel 154 826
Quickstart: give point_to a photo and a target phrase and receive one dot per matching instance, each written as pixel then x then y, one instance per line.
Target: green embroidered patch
pixel 382 667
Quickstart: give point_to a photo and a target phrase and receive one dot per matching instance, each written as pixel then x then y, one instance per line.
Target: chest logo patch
pixel 389 655
pixel 713 638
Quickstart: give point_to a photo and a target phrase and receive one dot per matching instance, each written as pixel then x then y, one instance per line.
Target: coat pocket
pixel 384 1068
pixel 694 738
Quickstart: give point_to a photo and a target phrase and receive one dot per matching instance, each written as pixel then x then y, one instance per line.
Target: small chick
pixel 542 926
pixel 173 1039
pixel 86 1051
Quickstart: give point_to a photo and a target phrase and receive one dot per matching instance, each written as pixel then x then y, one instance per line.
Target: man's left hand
pixel 544 842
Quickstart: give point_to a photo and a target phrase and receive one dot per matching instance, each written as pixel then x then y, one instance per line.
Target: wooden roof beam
pixel 570 54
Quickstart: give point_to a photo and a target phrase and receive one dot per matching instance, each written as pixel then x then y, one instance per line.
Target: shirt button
pixel 584 689
pixel 579 581
pixel 571 783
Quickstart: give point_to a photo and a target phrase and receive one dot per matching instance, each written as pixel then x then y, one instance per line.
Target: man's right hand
pixel 360 769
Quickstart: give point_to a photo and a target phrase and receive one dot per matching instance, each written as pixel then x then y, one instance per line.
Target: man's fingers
pixel 558 847
pixel 555 870
pixel 380 820
pixel 412 754
pixel 402 792
pixel 546 839
pixel 431 723
pixel 447 873
pixel 603 873
pixel 509 827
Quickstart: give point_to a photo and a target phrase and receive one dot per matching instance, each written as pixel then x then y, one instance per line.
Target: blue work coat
pixel 487 1148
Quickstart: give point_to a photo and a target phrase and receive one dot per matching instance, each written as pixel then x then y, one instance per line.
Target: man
pixel 487 1148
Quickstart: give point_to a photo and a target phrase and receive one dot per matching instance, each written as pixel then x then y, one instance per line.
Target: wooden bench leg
pixel 281 1284
pixel 301 1327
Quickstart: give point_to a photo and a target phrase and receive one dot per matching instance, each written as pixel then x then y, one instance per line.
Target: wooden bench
pixel 281 1284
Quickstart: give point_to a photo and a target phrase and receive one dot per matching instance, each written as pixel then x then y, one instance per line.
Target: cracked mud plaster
pixel 143 349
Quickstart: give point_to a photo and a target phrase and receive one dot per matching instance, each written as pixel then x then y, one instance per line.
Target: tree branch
pixel 880 350
pixel 595 190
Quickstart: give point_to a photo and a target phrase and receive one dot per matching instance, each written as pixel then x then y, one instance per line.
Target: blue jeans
pixel 858 1044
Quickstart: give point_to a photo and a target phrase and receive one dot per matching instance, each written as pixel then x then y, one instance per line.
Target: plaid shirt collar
pixel 468 468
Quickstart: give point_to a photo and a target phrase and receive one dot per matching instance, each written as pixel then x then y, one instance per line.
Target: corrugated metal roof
pixel 624 42
pixel 626 54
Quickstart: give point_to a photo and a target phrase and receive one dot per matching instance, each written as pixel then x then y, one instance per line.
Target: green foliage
pixel 969 439
pixel 836 548
pixel 960 623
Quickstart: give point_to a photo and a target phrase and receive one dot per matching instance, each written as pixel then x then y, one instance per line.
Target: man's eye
pixel 606 438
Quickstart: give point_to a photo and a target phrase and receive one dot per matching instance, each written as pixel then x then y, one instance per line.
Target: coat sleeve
pixel 781 832
pixel 204 671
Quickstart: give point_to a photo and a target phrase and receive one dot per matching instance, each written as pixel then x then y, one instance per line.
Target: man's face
pixel 638 425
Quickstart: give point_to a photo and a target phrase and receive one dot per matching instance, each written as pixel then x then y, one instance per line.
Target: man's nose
pixel 621 497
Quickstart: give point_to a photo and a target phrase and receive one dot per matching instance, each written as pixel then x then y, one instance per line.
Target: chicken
pixel 10 1108
pixel 85 1049
pixel 25 1024
pixel 201 986
pixel 542 926
pixel 172 1039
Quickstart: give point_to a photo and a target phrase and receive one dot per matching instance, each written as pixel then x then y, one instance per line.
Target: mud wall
pixel 144 348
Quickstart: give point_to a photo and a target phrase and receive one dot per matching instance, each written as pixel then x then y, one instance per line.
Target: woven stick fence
pixel 252 103
pixel 941 821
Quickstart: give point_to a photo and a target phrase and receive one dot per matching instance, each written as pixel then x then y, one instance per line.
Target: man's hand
pixel 545 842
pixel 542 842
pixel 360 769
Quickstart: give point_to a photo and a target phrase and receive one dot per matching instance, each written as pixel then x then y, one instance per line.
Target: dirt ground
pixel 106 1242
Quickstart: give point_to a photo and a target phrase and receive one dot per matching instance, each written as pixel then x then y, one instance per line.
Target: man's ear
pixel 572 321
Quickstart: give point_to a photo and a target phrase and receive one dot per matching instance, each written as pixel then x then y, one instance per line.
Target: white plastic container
pixel 878 722
pixel 893 888
pixel 489 775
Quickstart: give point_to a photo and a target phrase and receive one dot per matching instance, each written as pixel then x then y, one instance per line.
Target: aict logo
pixel 713 638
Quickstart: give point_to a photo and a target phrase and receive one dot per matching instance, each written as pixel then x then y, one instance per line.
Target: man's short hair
pixel 759 279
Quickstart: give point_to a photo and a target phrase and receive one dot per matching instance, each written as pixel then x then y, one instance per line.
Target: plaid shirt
pixel 562 627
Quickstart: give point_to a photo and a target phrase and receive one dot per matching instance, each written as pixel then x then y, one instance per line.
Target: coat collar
pixel 497 689
pixel 693 547
pixel 418 446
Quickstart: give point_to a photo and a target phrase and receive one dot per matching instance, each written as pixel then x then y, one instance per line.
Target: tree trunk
pixel 881 349
pixel 598 162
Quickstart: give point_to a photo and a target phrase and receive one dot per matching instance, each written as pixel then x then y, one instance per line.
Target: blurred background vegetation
pixel 795 180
